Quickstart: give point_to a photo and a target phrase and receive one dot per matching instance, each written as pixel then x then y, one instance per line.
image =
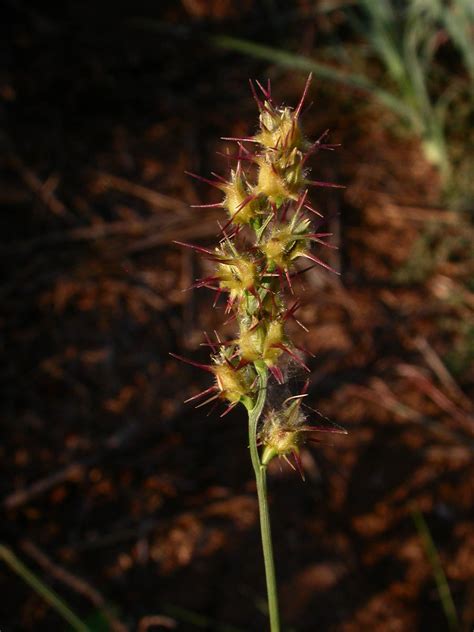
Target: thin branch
pixel 73 472
pixel 156 620
pixel 44 191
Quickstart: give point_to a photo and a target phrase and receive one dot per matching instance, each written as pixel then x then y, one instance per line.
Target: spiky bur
pixel 267 232
pixel 285 429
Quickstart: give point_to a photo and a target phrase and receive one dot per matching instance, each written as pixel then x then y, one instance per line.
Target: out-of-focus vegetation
pixel 412 44
pixel 36 584
pixel 439 575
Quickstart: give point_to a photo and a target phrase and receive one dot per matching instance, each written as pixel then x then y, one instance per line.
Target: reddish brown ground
pixel 153 503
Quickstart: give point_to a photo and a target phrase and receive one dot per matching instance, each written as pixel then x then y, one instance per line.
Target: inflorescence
pixel 268 230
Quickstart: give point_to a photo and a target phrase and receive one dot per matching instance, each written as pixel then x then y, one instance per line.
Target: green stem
pixel 39 587
pixel 442 584
pixel 261 479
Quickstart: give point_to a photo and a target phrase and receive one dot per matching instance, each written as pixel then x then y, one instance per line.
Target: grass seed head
pixel 265 197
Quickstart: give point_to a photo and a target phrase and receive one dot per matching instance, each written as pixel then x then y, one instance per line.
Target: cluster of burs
pixel 267 229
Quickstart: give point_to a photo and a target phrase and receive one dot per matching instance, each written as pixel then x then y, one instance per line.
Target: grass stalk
pixel 261 480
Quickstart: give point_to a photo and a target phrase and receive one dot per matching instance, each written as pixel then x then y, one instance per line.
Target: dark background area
pixel 123 499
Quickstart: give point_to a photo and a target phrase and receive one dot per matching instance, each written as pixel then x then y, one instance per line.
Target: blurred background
pixel 138 510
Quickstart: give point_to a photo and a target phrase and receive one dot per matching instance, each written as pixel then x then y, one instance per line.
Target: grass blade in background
pixel 439 575
pixel 324 71
pixel 413 106
pixel 404 40
pixel 30 578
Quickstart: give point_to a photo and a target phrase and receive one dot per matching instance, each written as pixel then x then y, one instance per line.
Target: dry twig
pixel 156 620
pixel 425 385
pixel 438 367
pixel 43 190
pixel 72 472
pixel 153 198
